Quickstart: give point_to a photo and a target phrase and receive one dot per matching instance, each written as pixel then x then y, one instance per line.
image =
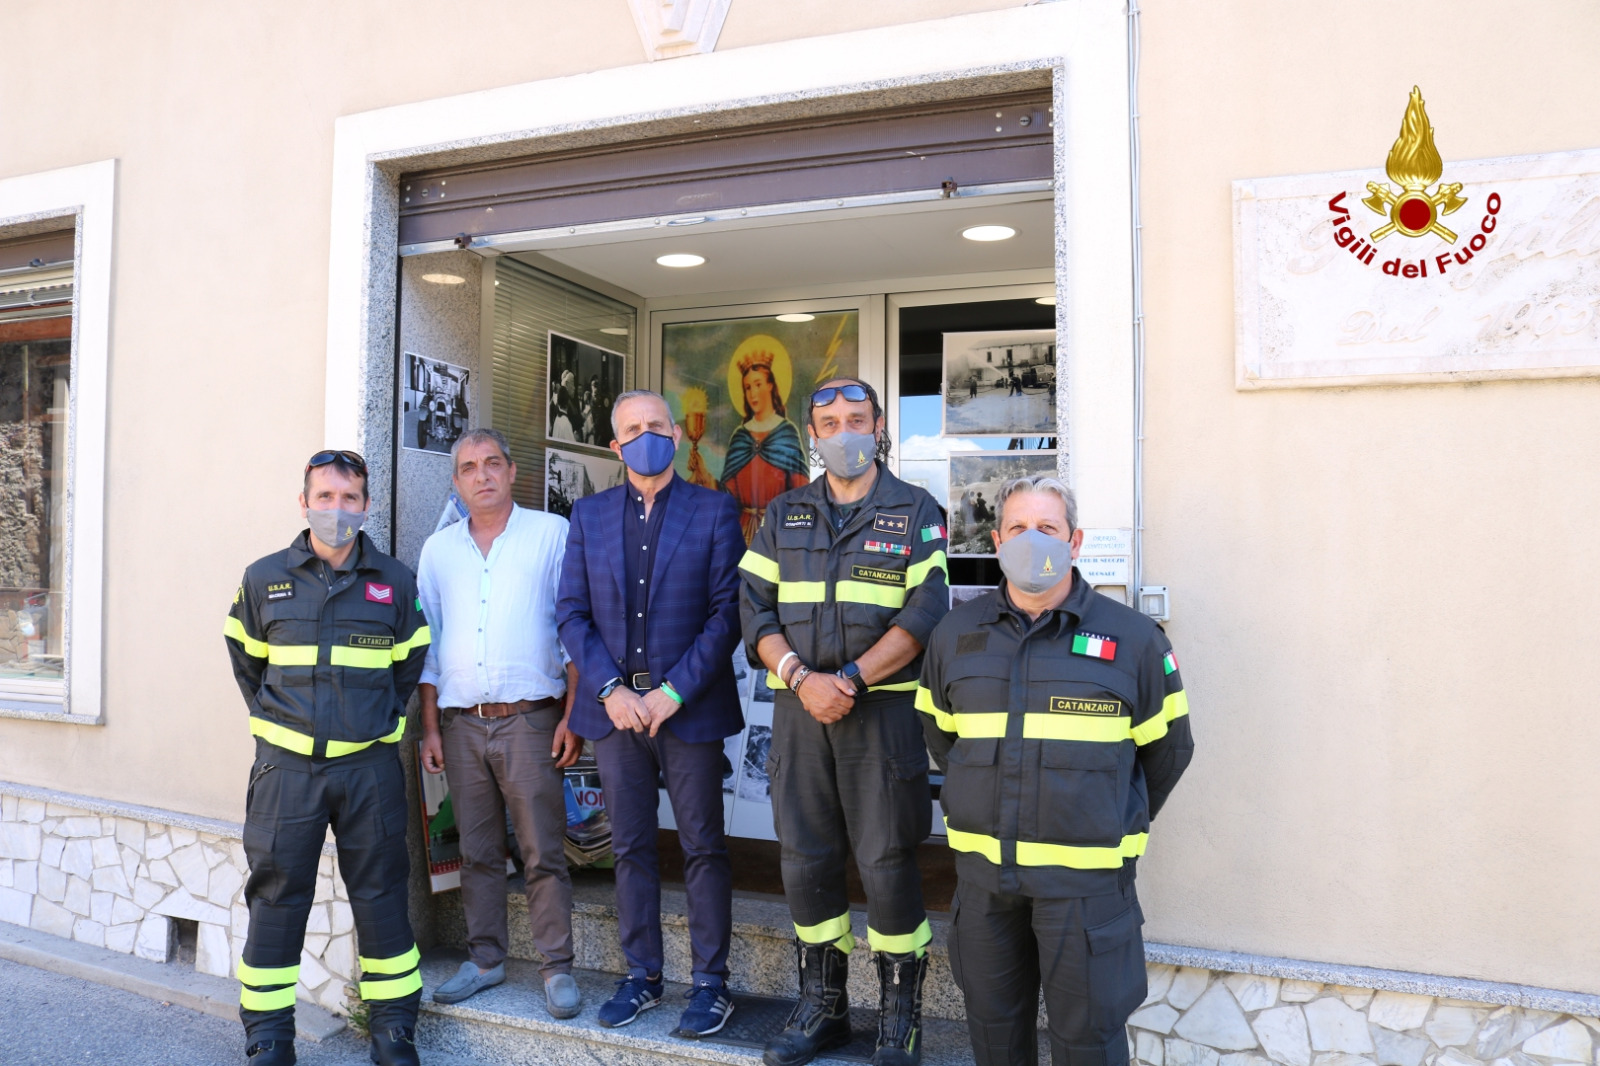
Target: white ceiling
pixel 918 240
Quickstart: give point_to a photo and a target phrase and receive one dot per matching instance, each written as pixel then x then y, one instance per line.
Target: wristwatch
pixel 609 687
pixel 852 673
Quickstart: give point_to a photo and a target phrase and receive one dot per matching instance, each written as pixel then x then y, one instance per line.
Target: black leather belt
pixel 641 682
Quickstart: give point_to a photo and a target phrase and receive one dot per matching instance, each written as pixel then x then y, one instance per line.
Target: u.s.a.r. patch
pixel 280 590
pixel 799 519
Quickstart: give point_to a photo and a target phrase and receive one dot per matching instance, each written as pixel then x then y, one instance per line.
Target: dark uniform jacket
pixel 327 670
pixel 1060 739
pixel 833 594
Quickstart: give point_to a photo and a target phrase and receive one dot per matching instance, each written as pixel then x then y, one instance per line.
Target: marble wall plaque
pixel 1516 295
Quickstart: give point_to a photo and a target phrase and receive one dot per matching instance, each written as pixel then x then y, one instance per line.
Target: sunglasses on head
pixel 324 458
pixel 853 393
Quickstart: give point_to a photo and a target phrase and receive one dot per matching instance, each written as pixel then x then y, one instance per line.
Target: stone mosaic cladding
pixel 117 882
pixel 1196 1017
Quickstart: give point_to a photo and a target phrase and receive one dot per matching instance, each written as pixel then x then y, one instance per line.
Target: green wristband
pixel 666 686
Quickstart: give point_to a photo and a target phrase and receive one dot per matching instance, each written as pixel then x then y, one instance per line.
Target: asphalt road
pixel 50 1020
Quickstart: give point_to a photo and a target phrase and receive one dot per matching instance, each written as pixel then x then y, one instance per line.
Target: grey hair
pixel 634 394
pixel 475 436
pixel 1040 483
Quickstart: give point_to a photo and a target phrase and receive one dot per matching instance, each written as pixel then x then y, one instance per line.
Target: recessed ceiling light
pixel 615 331
pixel 988 233
pixel 1048 301
pixel 680 259
pixel 445 279
pixel 797 317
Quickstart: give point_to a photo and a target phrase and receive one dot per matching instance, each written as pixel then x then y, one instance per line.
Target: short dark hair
pixel 343 466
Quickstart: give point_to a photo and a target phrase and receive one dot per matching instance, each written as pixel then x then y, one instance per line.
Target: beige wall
pixel 1381 596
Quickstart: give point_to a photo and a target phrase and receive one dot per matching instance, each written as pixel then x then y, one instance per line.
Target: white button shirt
pixel 493 619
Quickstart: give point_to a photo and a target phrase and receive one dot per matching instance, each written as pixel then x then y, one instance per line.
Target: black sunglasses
pixel 853 393
pixel 324 458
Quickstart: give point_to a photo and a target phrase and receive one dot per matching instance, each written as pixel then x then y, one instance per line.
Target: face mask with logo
pixel 649 454
pixel 1035 562
pixel 847 455
pixel 335 528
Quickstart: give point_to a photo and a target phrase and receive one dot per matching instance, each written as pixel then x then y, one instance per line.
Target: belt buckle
pixel 477 710
pixel 634 682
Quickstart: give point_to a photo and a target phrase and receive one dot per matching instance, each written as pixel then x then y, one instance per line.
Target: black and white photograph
pixel 434 403
pixel 975 481
pixel 1000 384
pixel 584 382
pixel 960 594
pixel 570 476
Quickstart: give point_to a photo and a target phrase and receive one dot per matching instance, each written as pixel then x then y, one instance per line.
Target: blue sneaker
pixel 709 1009
pixel 634 994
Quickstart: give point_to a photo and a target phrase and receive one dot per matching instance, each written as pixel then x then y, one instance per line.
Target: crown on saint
pixel 758 358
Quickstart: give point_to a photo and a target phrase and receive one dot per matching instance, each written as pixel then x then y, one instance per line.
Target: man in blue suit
pixel 649 612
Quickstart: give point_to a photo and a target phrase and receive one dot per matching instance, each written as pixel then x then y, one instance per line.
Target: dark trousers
pixel 495 765
pixel 859 785
pixel 629 763
pixel 291 802
pixel 1087 953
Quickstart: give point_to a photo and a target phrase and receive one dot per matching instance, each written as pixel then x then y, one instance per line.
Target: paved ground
pixel 50 1020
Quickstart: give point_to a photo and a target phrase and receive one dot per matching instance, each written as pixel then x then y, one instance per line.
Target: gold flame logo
pixel 1414 164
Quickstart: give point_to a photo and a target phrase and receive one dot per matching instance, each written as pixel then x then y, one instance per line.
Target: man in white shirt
pixel 496 692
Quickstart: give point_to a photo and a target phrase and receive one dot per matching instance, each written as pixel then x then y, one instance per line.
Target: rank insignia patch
pixel 891 523
pixel 887 547
pixel 877 576
pixel 1095 647
pixel 380 593
pixel 280 590
pixel 799 519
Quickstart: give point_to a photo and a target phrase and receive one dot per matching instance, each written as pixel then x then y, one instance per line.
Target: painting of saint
pixel 765 454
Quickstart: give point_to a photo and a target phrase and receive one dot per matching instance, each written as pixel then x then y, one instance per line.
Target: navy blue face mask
pixel 649 454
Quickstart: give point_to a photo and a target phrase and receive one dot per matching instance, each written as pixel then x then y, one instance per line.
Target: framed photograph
pixel 975 481
pixel 1000 384
pixel 570 476
pixel 584 382
pixel 962 593
pixel 739 386
pixel 434 401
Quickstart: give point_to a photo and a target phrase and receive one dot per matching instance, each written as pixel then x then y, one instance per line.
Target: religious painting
pixel 1000 383
pixel 739 387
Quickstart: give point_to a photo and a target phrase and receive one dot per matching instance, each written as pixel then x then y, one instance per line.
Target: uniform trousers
pixel 858 785
pixel 1086 952
pixel 291 802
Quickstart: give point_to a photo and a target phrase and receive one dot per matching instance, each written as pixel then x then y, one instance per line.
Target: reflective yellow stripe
pixel 829 932
pixel 234 628
pixel 1081 858
pixel 292 654
pixel 393 988
pixel 1075 727
pixel 974 726
pixel 986 846
pixel 394 964
pixel 420 639
pixel 364 658
pixel 802 591
pixel 759 565
pixel 282 736
pixel 924 702
pixel 898 686
pixel 1175 706
pixel 904 944
pixel 279 999
pixel 917 573
pixel 337 748
pixel 273 975
pixel 863 592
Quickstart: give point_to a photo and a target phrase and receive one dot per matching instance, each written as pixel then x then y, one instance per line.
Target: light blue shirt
pixel 493 619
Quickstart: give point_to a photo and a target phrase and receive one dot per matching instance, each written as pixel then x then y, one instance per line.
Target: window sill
pixel 46 709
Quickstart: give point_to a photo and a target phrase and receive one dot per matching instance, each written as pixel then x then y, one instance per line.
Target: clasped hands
pixel 642 714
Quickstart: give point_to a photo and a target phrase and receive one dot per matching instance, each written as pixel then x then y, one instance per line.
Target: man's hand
pixel 626 710
pixel 567 747
pixel 826 697
pixel 432 751
pixel 661 707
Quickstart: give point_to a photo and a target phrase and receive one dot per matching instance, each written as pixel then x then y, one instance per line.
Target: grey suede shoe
pixel 467 982
pixel 561 996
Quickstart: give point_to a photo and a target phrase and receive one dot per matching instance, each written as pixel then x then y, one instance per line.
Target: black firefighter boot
pixel 394 1047
pixel 821 1020
pixel 271 1053
pixel 900 1009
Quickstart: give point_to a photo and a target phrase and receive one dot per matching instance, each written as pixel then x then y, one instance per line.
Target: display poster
pixel 584 381
pixel 570 476
pixel 1000 384
pixel 975 482
pixel 434 402
pixel 739 388
pixel 439 825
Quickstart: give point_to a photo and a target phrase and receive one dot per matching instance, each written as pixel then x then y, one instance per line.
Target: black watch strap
pixel 852 673
pixel 609 686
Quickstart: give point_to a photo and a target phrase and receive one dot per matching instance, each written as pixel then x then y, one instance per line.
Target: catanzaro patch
pixel 1073 705
pixel 877 576
pixel 371 640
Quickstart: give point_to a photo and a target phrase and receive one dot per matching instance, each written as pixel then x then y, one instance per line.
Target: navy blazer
pixel 693 624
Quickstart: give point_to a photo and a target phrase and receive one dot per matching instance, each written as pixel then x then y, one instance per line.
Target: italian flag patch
pixel 1094 647
pixel 933 533
pixel 1168 663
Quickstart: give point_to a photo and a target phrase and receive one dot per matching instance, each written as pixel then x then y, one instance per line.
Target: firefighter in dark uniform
pixel 1061 723
pixel 327 639
pixel 843 583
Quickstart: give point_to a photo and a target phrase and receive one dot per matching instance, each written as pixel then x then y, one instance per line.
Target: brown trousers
pixel 496 764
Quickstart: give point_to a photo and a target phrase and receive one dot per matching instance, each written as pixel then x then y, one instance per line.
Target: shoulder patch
pixel 972 643
pixel 891 523
pixel 280 590
pixel 238 597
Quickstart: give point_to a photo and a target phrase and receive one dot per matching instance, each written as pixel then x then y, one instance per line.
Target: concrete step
pixel 508 1026
pixel 761 960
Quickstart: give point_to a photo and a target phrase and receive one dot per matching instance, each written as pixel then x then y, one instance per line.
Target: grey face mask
pixel 847 455
pixel 1035 562
pixel 335 528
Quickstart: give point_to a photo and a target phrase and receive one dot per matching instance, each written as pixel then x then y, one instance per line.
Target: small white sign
pixel 1107 542
pixel 1104 569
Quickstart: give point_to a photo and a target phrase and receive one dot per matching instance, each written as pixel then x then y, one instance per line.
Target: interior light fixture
pixel 796 317
pixel 615 331
pixel 680 259
pixel 445 279
pixel 988 233
pixel 1048 301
